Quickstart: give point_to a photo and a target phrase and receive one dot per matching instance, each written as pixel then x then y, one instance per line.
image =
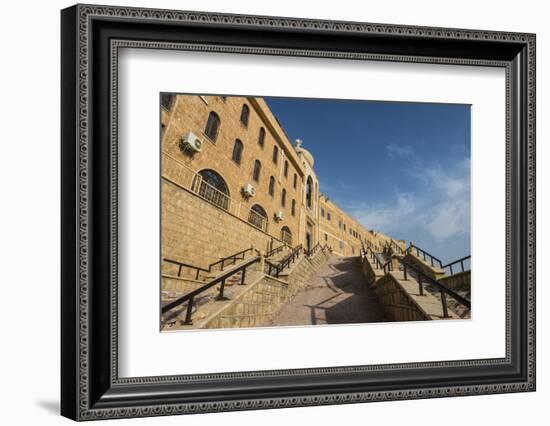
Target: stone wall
pixel 199 233
pixel 431 271
pixel 458 282
pixel 190 113
pixel 400 298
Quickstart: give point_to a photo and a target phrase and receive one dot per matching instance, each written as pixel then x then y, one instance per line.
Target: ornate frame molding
pixel 111 396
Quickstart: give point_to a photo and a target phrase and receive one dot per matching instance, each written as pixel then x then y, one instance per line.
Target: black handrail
pixel 313 250
pixel 397 246
pixel 378 262
pixel 461 261
pixel 186 265
pixel 275 269
pixel 221 279
pixel 444 290
pixel 275 250
pixel 234 257
pixel 424 254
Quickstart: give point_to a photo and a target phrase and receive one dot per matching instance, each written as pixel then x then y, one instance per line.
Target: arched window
pixel 237 151
pixel 257 216
pixel 257 170
pixel 275 154
pixel 212 187
pixel 261 137
pixel 295 182
pixel 286 235
pixel 245 112
pixel 286 169
pixel 272 186
pixel 293 208
pixel 309 192
pixel 212 126
pixel 283 197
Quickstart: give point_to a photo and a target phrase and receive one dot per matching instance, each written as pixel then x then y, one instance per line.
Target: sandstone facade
pixel 205 212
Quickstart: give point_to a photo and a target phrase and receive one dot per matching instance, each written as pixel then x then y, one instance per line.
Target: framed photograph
pixel 263 212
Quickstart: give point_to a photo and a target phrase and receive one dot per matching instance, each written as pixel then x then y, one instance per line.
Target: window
pixel 245 112
pixel 275 154
pixel 326 237
pixel 309 190
pixel 212 187
pixel 328 215
pixel 344 226
pixel 237 151
pixel 212 126
pixel 322 212
pixel 293 208
pixel 261 137
pixel 339 224
pixel 257 169
pixel 295 181
pixel 258 217
pixel 286 235
pixel 272 186
pixel 167 101
pixel 286 169
pixel 283 197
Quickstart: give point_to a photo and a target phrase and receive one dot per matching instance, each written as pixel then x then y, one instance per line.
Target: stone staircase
pixel 249 305
pixel 406 292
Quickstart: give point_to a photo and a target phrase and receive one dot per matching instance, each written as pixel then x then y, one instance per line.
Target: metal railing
pixel 276 250
pixel 228 260
pixel 275 269
pixel 424 255
pixel 396 247
pixel 256 219
pixel 312 251
pixel 189 297
pixel 183 176
pixel 445 291
pixel 461 261
pixel 286 237
pixel 385 266
pixel 182 265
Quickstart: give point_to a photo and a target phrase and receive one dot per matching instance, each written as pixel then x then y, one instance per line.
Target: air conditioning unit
pixel 191 142
pixel 279 215
pixel 249 190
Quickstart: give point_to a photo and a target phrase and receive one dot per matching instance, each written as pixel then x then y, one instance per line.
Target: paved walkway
pixel 336 294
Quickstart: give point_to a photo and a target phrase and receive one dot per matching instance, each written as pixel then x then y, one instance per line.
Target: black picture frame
pixel 90 386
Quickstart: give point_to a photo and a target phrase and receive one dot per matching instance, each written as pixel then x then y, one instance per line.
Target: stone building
pixel 232 179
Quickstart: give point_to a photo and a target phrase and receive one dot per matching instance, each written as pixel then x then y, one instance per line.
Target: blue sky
pixel 399 168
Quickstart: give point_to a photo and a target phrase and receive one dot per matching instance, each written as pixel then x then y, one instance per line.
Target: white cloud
pixel 439 209
pixel 395 151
